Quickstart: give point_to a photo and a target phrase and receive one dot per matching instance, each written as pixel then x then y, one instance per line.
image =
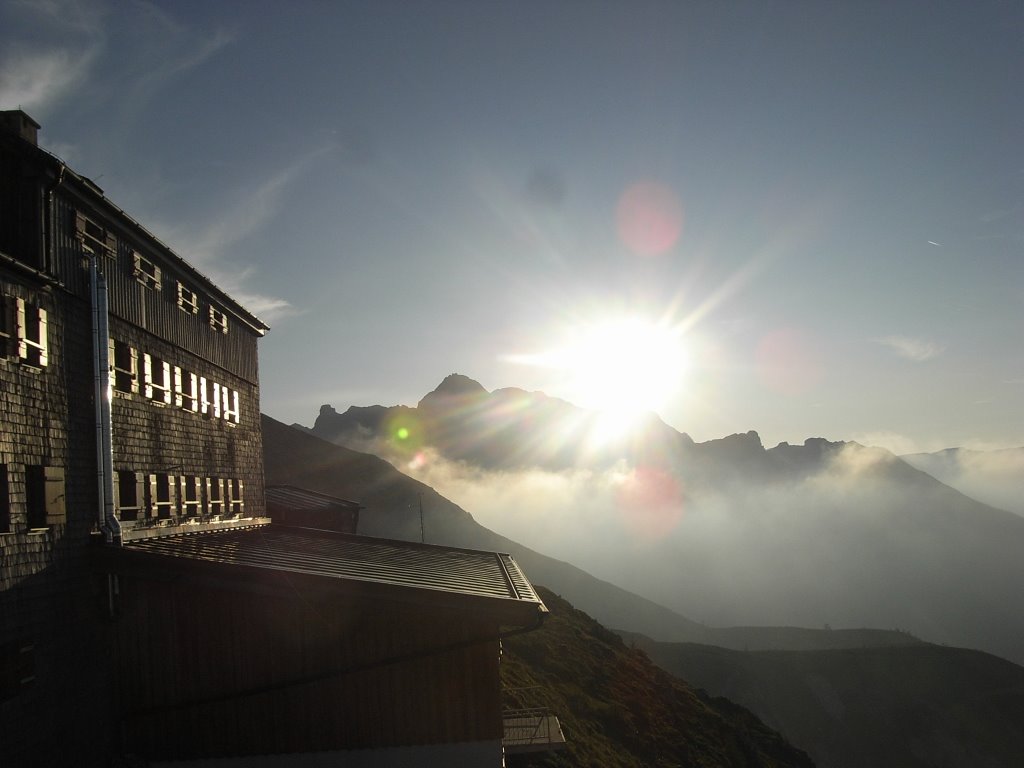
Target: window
pixel 229 408
pixel 44 488
pixel 5 501
pixel 163 496
pixel 191 499
pixel 17 667
pixel 186 390
pixel 214 496
pixel 125 366
pixel 188 300
pixel 209 398
pixel 8 327
pixel 95 240
pixel 157 375
pixel 31 322
pixel 218 320
pixel 145 271
pixel 130 501
pixel 236 505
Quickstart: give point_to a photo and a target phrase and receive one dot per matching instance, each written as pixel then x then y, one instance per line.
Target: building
pixel 150 609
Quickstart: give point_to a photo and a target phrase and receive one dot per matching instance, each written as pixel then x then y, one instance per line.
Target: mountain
pixel 392 501
pixel 618 710
pixel 725 531
pixel 992 477
pixel 898 707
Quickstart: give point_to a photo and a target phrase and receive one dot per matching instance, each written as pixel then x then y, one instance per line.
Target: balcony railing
pixel 531 730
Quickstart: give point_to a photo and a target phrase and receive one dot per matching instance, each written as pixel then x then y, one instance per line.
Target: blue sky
pixel 405 190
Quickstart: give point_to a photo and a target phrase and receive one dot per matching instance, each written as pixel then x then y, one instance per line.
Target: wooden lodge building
pixel 151 613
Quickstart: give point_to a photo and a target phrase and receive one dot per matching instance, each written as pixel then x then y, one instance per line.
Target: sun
pixel 623 365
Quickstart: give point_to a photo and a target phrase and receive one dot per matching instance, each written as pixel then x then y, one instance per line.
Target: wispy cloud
pixel 35 79
pixel 211 247
pixel 37 69
pixel 917 350
pixel 250 211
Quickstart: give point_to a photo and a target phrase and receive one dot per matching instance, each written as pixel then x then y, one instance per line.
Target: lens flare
pixel 650 501
pixel 649 217
pixel 405 432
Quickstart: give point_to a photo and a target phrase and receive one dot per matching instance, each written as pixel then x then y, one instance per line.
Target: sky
pixel 818 207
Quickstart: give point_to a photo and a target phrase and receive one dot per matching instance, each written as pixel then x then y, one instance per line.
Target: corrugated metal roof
pixel 301 498
pixel 352 559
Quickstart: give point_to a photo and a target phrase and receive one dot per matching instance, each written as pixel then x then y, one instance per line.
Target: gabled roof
pixel 344 563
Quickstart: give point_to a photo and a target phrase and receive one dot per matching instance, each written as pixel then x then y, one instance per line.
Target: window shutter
pixel 8 323
pixel 20 320
pixel 179 397
pixel 151 508
pixel 53 494
pixel 43 352
pixel 165 381
pixel 172 495
pixel 140 494
pixel 147 373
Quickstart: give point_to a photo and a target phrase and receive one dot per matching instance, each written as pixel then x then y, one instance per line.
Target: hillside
pixel 619 710
pixel 900 707
pixel 993 477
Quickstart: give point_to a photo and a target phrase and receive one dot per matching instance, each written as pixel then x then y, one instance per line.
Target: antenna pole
pixel 422 539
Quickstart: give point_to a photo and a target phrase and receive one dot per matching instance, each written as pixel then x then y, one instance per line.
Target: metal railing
pixel 533 728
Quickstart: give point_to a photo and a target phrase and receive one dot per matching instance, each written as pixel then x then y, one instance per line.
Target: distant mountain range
pixel 726 531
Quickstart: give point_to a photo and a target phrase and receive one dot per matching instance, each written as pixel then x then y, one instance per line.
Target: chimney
pixel 16 122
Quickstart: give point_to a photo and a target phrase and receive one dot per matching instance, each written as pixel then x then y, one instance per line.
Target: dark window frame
pixel 188 300
pixel 32 323
pixel 145 271
pixel 45 496
pixel 95 239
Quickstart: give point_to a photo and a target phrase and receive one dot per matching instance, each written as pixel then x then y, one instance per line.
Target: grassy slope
pixel 918 705
pixel 618 709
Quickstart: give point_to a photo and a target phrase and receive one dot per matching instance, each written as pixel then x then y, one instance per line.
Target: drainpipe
pixel 102 395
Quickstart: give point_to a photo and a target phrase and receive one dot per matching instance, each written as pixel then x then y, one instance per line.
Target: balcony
pixel 531 730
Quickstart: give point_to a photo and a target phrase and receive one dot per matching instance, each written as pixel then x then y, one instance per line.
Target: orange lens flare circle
pixel 650 501
pixel 649 217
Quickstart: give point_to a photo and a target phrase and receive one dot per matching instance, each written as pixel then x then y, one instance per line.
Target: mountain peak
pixel 455 385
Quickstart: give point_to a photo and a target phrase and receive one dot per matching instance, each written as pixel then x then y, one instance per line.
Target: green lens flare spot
pixel 402 433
